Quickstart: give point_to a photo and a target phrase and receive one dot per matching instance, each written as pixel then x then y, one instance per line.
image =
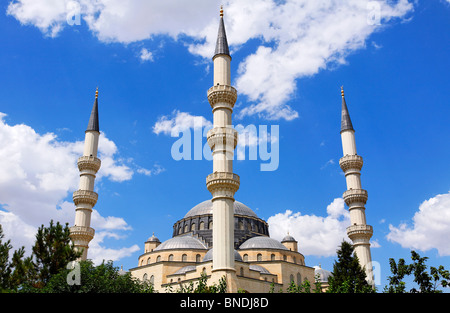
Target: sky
pixel 151 62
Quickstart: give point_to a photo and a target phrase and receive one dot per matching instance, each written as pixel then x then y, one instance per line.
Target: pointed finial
pixel 221 11
pixel 342 91
pixel 96 93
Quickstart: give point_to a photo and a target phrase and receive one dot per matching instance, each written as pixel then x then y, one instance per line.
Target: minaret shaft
pixel 355 197
pixel 222 183
pixel 85 198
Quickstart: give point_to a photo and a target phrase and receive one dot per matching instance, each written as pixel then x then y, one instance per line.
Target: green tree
pixel 104 278
pixel 5 266
pixel 52 251
pixel 348 276
pixel 427 282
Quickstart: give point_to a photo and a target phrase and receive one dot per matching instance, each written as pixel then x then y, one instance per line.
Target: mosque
pixel 222 237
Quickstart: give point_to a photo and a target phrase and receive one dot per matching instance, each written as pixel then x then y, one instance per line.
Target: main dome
pixel 205 208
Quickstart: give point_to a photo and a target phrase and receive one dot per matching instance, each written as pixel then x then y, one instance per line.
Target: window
pixel 259 257
pixel 295 260
pixel 241 225
pixel 299 279
pixel 245 258
pixel 145 277
pixel 272 257
pixel 193 227
pixel 171 257
pixel 152 279
pixel 184 258
pixel 202 226
pixel 284 257
pixel 158 258
pixel 148 261
pixel 291 278
pixel 186 228
pixel 210 226
pixel 198 258
pixel 241 271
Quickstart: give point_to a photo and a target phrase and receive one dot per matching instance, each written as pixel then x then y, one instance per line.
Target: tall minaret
pixel 222 183
pixel 85 198
pixel 355 197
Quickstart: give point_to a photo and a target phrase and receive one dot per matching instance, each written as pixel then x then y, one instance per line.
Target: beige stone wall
pixel 281 270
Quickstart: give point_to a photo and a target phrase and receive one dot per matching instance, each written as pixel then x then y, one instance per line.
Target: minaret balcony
pixel 85 197
pixel 359 231
pixel 86 162
pixel 226 136
pixel 81 234
pixel 222 184
pixel 222 94
pixel 355 196
pixel 351 162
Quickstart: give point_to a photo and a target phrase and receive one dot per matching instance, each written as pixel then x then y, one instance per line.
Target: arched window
pixel 152 279
pixel 142 262
pixel 148 261
pixel 144 277
pixel 204 270
pixel 210 226
pixel 158 258
pixel 272 257
pixel 171 257
pixel 192 226
pixel 198 258
pixel 245 258
pixel 291 278
pixel 186 228
pixel 295 259
pixel 184 258
pixel 299 279
pixel 241 225
pixel 284 257
pixel 180 230
pixel 202 226
pixel 259 257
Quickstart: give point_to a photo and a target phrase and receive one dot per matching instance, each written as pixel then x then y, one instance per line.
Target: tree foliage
pixel 348 276
pixel 427 282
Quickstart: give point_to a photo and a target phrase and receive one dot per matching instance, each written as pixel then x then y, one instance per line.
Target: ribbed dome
pixel 153 239
pixel 323 274
pixel 209 255
pixel 205 208
pixel 262 242
pixel 259 268
pixel 185 269
pixel 181 242
pixel 288 238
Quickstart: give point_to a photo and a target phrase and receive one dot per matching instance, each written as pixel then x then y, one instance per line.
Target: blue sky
pixel 152 64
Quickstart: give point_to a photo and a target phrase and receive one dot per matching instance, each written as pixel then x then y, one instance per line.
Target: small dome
pixel 259 268
pixel 262 242
pixel 323 274
pixel 288 238
pixel 205 208
pixel 209 255
pixel 181 242
pixel 185 269
pixel 153 239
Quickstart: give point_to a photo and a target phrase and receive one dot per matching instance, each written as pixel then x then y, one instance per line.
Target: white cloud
pixel 38 173
pixel 156 170
pixel 146 55
pixel 178 122
pixel 316 235
pixel 430 227
pixel 298 38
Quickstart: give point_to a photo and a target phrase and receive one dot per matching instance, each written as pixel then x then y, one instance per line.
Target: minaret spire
pixel 221 43
pixel 346 122
pixel 355 197
pixel 93 120
pixel 223 183
pixel 85 198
